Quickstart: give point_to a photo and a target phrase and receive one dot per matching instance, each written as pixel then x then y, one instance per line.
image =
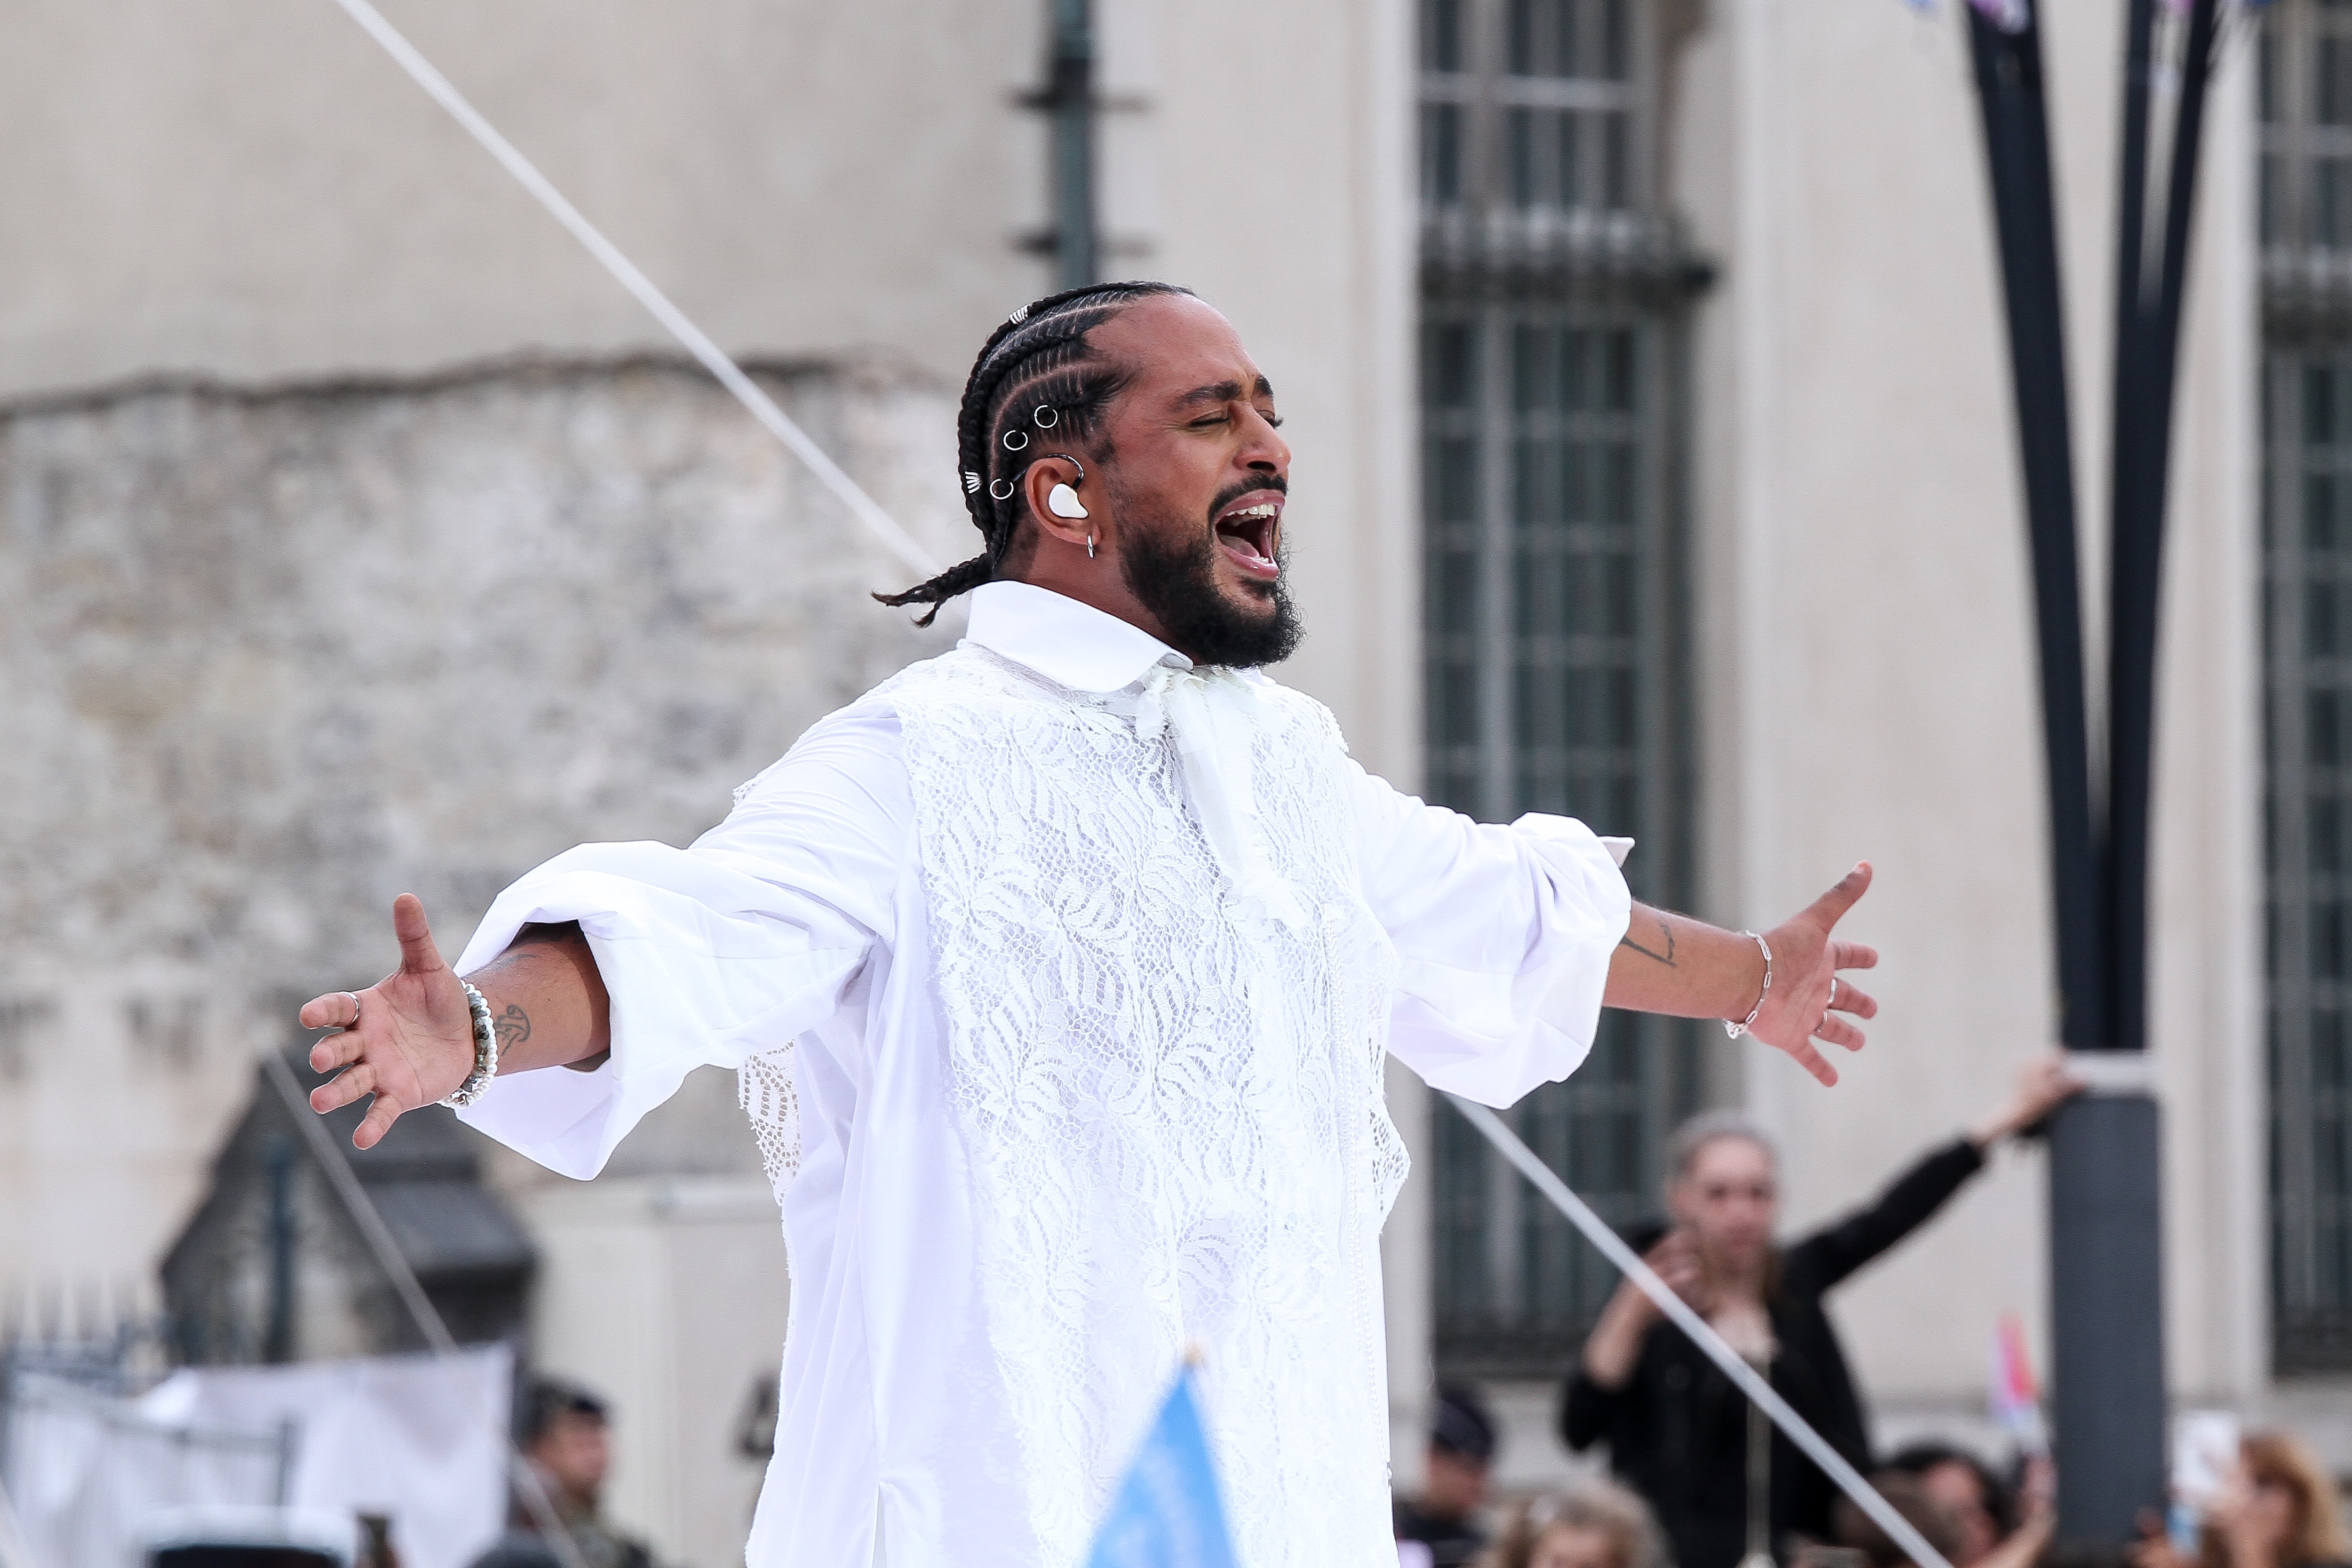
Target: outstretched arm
pixel 1673 964
pixel 412 1040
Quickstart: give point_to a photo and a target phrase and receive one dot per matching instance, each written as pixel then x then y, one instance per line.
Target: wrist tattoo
pixel 513 1026
pixel 1663 950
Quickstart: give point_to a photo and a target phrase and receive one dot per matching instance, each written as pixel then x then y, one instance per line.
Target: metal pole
pixel 2148 335
pixel 2107 1266
pixel 1070 97
pixel 277 1158
pixel 2107 1330
pixel 2017 155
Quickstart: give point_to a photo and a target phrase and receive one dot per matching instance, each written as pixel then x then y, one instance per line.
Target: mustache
pixel 1234 492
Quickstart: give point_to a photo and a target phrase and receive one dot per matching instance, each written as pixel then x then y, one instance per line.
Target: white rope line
pixel 1678 1311
pixel 863 507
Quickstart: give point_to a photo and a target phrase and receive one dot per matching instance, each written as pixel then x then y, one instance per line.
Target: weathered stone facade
pixel 269 657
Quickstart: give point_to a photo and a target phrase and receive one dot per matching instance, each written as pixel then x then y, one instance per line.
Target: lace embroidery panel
pixel 769 1094
pixel 1174 1109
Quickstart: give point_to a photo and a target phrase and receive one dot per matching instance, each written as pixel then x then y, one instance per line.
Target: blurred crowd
pixel 1697 1480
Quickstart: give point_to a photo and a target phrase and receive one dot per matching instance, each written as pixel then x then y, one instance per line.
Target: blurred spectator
pixel 518 1550
pixel 1966 1488
pixel 1444 1517
pixel 2278 1509
pixel 1909 1497
pixel 2037 1520
pixel 1677 1430
pixel 567 1440
pixel 1595 1524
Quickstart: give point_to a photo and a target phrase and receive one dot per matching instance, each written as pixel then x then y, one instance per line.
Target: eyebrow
pixel 1224 392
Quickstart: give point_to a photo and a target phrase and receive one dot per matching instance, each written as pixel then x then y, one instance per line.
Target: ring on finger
pixel 355 1011
pixel 1832 1001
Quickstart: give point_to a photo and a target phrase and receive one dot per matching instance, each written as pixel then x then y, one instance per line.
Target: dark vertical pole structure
pixel 1069 100
pixel 2017 155
pixel 2148 290
pixel 277 1163
pixel 2106 1260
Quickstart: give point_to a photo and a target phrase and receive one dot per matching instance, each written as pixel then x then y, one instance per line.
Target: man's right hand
pixel 412 1041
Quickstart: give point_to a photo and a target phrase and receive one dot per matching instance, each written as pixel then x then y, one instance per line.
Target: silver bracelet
pixel 1741 1027
pixel 485 1052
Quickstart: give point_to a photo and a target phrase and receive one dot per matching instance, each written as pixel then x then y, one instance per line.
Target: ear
pixel 1038 485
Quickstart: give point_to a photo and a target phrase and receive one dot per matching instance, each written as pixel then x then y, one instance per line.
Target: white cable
pixel 1678 1311
pixel 863 507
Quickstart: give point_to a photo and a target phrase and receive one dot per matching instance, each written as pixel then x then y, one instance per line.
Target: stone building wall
pixel 268 657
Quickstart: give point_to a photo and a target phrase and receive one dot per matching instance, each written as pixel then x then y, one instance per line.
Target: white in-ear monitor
pixel 1063 501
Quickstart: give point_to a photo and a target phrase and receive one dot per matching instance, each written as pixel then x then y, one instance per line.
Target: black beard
pixel 1173 575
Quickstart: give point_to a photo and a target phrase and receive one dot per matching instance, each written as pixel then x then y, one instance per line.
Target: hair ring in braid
pixel 1015 439
pixel 1006 493
pixel 1046 416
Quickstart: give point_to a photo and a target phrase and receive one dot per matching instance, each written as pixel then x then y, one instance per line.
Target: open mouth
pixel 1249 531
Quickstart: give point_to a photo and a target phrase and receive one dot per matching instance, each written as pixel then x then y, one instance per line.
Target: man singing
pixel 1059 972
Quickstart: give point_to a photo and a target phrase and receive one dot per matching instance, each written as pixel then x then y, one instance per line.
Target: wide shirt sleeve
pixel 711 954
pixel 1503 938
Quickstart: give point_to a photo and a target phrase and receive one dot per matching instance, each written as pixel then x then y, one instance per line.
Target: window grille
pixel 1550 334
pixel 2307 552
pixel 2304 89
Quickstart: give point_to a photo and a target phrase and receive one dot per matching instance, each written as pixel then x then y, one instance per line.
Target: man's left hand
pixel 1809 999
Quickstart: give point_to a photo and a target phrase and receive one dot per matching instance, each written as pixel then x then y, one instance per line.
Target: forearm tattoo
pixel 1662 946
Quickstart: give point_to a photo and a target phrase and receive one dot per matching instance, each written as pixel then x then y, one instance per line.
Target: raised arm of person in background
pixel 409 1039
pixel 1912 1198
pixel 1614 1345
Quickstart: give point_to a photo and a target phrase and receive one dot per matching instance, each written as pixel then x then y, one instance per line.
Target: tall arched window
pixel 1553 294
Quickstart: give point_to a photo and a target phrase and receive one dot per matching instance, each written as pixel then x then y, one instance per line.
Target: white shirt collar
pixel 1068 642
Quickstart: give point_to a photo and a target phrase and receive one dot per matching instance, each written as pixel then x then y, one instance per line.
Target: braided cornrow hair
pixel 1035 377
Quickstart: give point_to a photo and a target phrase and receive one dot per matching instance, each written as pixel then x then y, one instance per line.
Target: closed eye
pixel 1211 421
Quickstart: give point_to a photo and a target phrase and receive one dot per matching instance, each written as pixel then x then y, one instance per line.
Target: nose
pixel 1262 452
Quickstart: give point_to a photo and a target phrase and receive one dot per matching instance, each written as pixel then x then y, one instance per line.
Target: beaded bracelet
pixel 1741 1027
pixel 486 1051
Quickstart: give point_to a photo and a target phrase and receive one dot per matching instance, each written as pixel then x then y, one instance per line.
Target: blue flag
pixel 1168 1513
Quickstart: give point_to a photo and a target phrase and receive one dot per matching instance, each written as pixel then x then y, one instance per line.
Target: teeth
pixel 1264 509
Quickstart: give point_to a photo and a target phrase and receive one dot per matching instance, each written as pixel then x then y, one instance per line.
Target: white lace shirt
pixel 1058 977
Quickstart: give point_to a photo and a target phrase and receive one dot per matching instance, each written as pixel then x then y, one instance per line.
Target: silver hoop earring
pixel 1015 439
pixel 1090 547
pixel 1046 417
pixel 1005 493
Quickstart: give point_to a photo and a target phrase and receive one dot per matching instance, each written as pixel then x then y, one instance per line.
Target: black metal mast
pixel 2107 1264
pixel 1069 100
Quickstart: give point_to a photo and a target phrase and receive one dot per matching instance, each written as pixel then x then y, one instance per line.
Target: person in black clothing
pixel 1677 1430
pixel 1444 1517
